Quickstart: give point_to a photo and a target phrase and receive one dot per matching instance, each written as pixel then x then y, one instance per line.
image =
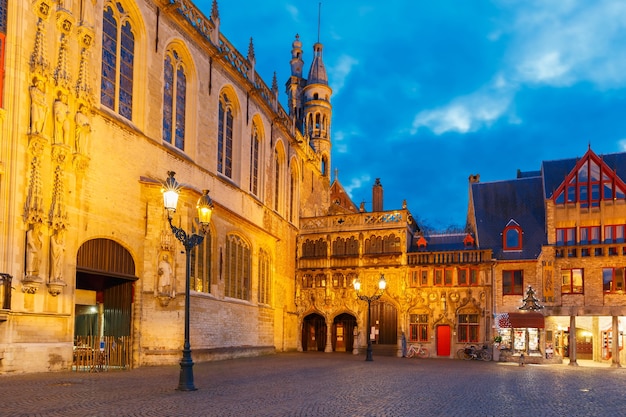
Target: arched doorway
pixel 385 322
pixel 313 333
pixel 343 332
pixel 105 276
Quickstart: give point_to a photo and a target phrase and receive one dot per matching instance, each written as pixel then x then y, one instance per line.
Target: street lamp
pixel 382 284
pixel 171 190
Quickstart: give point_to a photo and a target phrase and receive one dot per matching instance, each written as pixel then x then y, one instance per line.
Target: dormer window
pixel 421 243
pixel 468 241
pixel 512 236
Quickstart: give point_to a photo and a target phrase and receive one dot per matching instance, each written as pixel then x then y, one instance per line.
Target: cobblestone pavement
pixel 324 384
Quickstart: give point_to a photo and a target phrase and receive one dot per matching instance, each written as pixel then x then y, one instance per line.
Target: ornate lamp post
pixel 382 284
pixel 171 190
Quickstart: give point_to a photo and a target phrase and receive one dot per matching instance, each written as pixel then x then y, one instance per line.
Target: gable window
pixel 512 236
pixel 566 236
pixel 572 281
pixel 418 327
pixel 613 279
pixel 513 282
pixel 590 182
pixel 237 269
pixel 118 53
pixel 225 137
pixel 174 100
pixel 468 328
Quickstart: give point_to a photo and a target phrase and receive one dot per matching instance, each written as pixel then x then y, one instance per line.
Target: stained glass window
pixel 174 100
pixel 118 56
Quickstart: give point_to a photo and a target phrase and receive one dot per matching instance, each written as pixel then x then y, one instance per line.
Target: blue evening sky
pixel 426 93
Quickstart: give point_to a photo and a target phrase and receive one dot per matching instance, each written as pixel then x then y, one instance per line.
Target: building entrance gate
pixel 103 310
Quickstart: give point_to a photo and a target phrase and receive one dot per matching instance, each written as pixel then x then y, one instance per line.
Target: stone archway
pixel 314 333
pixel 343 332
pixel 105 277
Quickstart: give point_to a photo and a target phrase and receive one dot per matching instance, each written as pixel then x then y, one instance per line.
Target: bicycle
pixel 417 350
pixel 471 352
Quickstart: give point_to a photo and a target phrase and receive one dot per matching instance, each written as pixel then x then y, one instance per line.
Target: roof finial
pixel 319 17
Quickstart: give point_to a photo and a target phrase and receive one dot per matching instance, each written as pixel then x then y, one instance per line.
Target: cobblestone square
pixel 319 384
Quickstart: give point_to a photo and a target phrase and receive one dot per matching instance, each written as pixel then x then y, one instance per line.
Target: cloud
pixel 468 113
pixel 622 145
pixel 356 183
pixel 293 12
pixel 340 71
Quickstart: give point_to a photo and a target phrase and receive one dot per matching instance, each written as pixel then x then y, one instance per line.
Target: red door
pixel 443 340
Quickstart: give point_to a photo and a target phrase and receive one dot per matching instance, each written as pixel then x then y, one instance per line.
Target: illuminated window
pixel 614 234
pixel 225 137
pixel 200 272
pixel 418 327
pixel 237 268
pixel 468 328
pixel 265 281
pixel 118 54
pixel 512 282
pixel 174 100
pixel 613 279
pixel 572 281
pixel 589 234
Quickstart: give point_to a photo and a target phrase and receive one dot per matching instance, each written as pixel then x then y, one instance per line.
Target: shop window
pixel 513 282
pixel 613 280
pixel 418 325
pixel 468 328
pixel 572 281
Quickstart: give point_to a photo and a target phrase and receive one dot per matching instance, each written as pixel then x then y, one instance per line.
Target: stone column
pixel 615 345
pixel 572 341
pixel 329 337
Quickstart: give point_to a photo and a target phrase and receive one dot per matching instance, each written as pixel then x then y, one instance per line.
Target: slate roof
pixel 443 242
pixel 497 203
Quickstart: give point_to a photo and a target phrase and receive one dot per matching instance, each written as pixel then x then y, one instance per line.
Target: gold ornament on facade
pixel 42 8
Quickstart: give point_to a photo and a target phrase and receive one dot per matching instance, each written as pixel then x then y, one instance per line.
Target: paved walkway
pixel 324 384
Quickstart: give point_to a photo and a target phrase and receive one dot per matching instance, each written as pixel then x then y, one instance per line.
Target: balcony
pixel 449 257
pixel 591 250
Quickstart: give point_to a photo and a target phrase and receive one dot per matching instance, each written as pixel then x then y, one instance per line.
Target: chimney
pixel 377 196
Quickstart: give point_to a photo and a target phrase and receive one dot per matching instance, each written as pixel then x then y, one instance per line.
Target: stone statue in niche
pixel 166 275
pixel 38 106
pixel 82 131
pixel 61 120
pixel 57 252
pixel 33 250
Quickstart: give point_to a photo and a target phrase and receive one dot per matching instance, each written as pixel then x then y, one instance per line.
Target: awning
pixel 520 320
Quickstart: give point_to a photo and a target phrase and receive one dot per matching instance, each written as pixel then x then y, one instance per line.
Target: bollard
pixel 521 359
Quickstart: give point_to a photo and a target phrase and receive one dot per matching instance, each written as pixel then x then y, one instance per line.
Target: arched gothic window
pixel 225 137
pixel 512 236
pixel 237 268
pixel 255 145
pixel 200 272
pixel 265 277
pixel 118 56
pixel 174 99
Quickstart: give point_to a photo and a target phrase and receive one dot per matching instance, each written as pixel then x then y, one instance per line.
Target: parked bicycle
pixel 471 352
pixel 417 350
